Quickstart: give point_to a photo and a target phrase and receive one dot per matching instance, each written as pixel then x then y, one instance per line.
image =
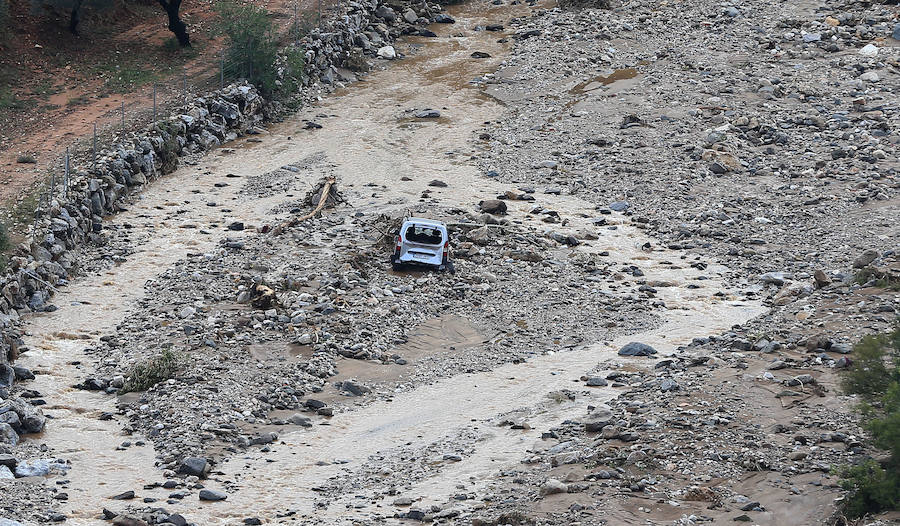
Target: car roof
pixel 423 221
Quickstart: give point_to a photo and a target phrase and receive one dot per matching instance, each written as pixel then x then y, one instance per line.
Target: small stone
pixel 869 51
pixel 553 486
pixel 437 183
pixel 128 495
pixel 387 52
pixel 212 495
pixel 822 280
pixel 427 113
pixel 797 455
pixel 637 349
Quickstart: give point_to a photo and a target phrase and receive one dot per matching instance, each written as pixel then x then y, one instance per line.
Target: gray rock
pixel 7 375
pixel 843 362
pixel 896 33
pixel 8 461
pixel 300 420
pixel 23 373
pixel 354 388
pixel 8 435
pixel 493 206
pixel 441 18
pixel 864 259
pixel 637 349
pixel 5 473
pixel 619 206
pixel 9 522
pixel 553 486
pixel 732 12
pixel 211 495
pixel 196 466
pixel 841 348
pixel 669 385
pixel 33 468
pixel 427 113
pixel 386 13
pixel 410 16
pixel 598 419
pixel 596 381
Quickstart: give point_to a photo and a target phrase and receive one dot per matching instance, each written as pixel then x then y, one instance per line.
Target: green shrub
pixel 146 374
pixel 294 64
pixel 879 279
pixel 26 159
pixel 875 376
pixel 251 42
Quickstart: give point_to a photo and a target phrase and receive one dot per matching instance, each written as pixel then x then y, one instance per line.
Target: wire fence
pixel 155 100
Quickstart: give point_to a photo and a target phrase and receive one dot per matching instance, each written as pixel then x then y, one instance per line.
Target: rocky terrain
pixel 665 249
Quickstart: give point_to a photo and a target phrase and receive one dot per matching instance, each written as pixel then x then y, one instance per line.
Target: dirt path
pixel 368 137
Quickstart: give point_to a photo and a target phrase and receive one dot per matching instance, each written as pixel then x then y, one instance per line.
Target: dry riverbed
pixel 711 198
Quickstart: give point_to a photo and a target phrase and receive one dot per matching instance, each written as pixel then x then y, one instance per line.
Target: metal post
pixel 66 175
pixel 184 81
pixel 296 23
pixel 94 149
pixel 154 101
pixel 222 73
pixel 319 9
pixel 123 115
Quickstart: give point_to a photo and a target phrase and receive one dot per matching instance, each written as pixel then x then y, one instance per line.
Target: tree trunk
pixel 176 25
pixel 75 18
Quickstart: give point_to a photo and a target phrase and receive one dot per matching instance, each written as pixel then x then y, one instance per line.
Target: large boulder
pixel 493 206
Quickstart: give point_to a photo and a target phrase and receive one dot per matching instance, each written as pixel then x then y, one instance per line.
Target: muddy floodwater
pixel 369 137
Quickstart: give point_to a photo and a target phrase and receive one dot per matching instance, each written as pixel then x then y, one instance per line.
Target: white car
pixel 422 242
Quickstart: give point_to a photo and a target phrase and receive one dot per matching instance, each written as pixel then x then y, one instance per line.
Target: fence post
pixel 222 74
pixel 184 81
pixel 52 184
pixel 94 148
pixel 123 115
pixel 319 9
pixel 154 101
pixel 66 175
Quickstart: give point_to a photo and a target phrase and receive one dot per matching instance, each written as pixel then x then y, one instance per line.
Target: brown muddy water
pixel 366 143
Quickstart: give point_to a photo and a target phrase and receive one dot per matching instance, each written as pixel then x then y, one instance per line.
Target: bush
pixel 251 43
pixel 26 159
pixel 875 376
pixel 146 374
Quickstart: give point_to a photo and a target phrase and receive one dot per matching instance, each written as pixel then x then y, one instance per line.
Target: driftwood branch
pixel 326 192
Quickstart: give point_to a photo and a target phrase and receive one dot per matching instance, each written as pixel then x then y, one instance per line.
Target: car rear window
pixel 424 234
